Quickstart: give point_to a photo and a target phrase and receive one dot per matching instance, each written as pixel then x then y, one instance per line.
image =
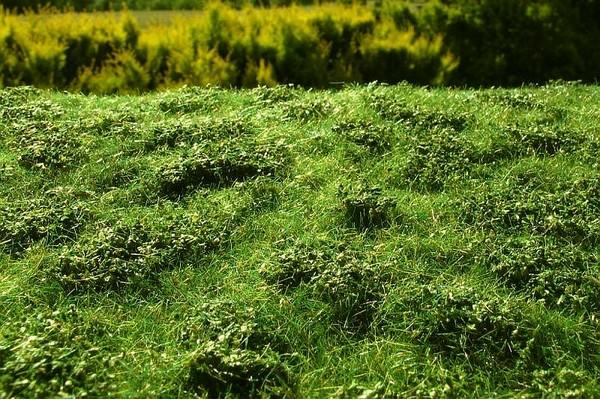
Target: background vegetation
pixel 455 43
pixel 378 241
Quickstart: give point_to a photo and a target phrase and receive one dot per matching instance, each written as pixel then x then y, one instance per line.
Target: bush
pixel 511 42
pixel 223 46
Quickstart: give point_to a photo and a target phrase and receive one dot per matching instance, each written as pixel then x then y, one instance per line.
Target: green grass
pixel 378 241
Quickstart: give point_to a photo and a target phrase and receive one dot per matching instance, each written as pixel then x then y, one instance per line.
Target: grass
pixel 376 241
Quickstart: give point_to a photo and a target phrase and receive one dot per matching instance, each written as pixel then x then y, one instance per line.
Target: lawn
pixel 375 241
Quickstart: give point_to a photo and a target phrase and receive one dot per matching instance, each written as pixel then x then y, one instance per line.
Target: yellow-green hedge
pixel 311 46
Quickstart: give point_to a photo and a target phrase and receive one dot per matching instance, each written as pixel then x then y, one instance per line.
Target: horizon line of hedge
pixel 21 6
pixel 466 43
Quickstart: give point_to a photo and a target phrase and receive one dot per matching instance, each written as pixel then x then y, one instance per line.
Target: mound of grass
pixel 188 100
pixel 373 137
pixel 54 218
pixel 307 109
pixel 351 282
pixel 233 354
pixel 50 353
pixel 24 105
pixel 561 275
pixel 459 320
pixel 181 132
pixel 527 202
pixel 436 156
pixel 414 117
pixel 48 146
pixel 543 140
pixel 217 166
pixel 131 254
pixel 365 207
pixel 270 95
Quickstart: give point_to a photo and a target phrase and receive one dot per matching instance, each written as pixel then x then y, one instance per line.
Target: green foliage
pixel 353 283
pixel 131 254
pixel 51 354
pixel 15 109
pixel 237 355
pixel 463 322
pixel 510 42
pixel 463 42
pixel 284 242
pixel 528 203
pixel 366 207
pixel 54 218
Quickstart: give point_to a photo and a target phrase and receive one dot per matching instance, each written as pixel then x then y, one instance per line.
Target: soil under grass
pixel 377 241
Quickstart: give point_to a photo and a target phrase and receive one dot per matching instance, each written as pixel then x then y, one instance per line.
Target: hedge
pixel 467 42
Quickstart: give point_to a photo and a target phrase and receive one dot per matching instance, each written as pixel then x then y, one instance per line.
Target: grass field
pixel 373 241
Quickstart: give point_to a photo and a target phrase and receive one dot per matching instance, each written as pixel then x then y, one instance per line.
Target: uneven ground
pixel 373 241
